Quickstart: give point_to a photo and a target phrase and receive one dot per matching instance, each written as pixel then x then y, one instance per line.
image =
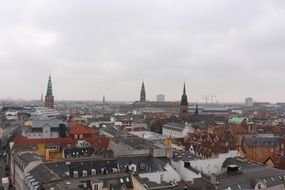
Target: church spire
pixel 184 106
pixel 142 97
pixel 184 101
pixel 49 87
pixel 197 109
pixel 49 98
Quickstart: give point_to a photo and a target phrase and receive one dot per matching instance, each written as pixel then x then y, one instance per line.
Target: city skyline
pixel 231 50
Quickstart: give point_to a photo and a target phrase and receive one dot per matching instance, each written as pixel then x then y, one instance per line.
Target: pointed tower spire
pixel 143 95
pixel 197 109
pixel 184 101
pixel 184 106
pixel 49 87
pixel 49 98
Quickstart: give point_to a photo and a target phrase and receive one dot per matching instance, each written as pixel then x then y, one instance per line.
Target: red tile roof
pixel 102 142
pixel 77 128
pixel 25 141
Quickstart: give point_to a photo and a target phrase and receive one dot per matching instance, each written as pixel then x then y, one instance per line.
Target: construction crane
pixel 206 98
pixel 212 98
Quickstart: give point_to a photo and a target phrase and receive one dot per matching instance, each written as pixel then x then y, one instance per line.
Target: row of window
pixel 78 136
pixel 172 133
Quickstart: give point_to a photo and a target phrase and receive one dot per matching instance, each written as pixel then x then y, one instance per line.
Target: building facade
pixel 259 149
pixel 45 128
pixel 177 130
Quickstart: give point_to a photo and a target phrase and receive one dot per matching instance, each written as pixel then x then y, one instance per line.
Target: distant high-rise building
pixel 248 102
pixel 142 97
pixel 184 106
pixel 197 109
pixel 160 97
pixel 104 99
pixel 42 97
pixel 49 98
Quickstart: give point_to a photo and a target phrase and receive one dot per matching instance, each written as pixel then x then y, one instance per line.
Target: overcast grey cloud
pixel 228 48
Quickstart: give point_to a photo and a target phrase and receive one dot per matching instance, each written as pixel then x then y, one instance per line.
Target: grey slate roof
pixel 62 167
pixel 24 159
pixel 261 141
pixel 50 122
pixel 42 174
pixel 150 163
pixel 116 180
pixel 249 173
pixel 135 143
pixel 174 126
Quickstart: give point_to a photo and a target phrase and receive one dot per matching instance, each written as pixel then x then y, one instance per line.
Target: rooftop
pixel 249 172
pixel 115 179
pixel 40 123
pixel 261 141
pixel 148 135
pixel 144 164
pixel 77 129
pixel 133 143
pixel 25 158
pixel 175 126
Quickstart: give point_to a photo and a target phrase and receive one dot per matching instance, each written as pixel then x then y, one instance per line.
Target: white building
pixel 44 128
pixel 43 112
pixel 177 130
pixel 148 135
pixel 185 173
pixel 211 166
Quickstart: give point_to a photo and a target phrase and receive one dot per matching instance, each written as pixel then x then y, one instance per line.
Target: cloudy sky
pixel 228 48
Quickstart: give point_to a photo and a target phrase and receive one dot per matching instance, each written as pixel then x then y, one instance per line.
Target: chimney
pixel 213 179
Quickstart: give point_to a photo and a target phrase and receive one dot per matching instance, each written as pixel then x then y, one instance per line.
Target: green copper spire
pixel 49 87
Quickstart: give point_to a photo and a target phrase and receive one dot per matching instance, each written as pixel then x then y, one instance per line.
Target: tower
pixel 104 99
pixel 184 106
pixel 142 98
pixel 197 109
pixel 49 98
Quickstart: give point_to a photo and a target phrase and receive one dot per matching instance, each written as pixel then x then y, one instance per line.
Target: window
pixel 96 186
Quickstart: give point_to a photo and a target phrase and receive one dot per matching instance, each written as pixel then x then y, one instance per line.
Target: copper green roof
pixel 237 120
pixel 49 87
